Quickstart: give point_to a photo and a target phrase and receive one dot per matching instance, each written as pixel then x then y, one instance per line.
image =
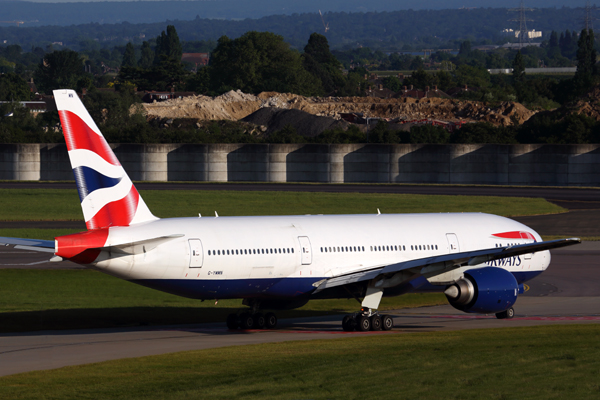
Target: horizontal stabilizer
pixel 46 246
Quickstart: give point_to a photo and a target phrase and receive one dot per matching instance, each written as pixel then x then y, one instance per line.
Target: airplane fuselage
pixel 283 256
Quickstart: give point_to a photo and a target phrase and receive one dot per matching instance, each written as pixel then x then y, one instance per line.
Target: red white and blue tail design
pixel 108 197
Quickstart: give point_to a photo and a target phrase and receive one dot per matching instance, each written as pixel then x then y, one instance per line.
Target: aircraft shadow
pixel 133 318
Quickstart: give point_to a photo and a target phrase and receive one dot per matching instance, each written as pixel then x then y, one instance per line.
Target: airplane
pixel 479 261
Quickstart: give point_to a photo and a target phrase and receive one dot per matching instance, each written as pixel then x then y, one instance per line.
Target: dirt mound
pixel 588 105
pixel 235 105
pixel 275 119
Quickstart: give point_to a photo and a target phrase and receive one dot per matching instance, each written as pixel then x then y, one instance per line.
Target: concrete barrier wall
pixel 534 164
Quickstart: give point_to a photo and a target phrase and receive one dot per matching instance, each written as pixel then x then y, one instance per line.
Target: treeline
pixel 388 31
pixel 262 61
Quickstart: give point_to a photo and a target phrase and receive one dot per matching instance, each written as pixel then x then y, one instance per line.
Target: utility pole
pixel 522 20
pixel 588 19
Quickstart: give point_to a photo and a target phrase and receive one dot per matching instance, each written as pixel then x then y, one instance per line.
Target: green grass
pixel 68 299
pixel 549 362
pixel 62 204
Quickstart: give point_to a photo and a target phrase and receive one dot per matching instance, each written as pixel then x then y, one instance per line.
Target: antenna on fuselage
pixel 216 215
pixel 378 212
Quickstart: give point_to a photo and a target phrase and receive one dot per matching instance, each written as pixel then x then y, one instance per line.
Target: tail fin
pixel 108 197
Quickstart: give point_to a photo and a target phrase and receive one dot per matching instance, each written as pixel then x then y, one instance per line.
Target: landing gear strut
pixel 367 320
pixel 508 314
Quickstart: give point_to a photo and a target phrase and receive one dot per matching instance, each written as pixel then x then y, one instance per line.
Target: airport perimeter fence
pixel 521 164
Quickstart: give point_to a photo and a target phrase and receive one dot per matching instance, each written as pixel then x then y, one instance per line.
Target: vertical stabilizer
pixel 108 197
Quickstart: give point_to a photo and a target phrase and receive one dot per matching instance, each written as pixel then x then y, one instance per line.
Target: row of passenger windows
pixel 403 248
pixel 342 249
pixel 242 252
pixel 348 249
pixel 507 244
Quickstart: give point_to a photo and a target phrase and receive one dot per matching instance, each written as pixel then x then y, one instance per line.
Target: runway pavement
pixel 567 293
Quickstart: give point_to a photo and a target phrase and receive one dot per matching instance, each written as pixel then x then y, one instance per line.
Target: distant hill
pixel 135 12
pixel 378 30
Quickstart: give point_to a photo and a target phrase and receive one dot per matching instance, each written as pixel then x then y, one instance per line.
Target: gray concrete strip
pixel 53 349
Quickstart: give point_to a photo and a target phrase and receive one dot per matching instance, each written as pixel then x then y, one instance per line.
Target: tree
pixel 586 61
pixel 168 46
pixel 518 69
pixel 318 48
pixel 129 59
pixel 13 88
pixel 319 62
pixel 147 57
pixel 465 49
pixel 257 62
pixel 59 70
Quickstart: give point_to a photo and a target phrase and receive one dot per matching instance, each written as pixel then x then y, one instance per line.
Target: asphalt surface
pixel 567 293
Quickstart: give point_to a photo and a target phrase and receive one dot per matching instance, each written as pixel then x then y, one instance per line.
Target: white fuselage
pixel 224 257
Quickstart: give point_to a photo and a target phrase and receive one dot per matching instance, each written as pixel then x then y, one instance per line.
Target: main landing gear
pixel 508 314
pixel 249 320
pixel 367 320
pixel 253 318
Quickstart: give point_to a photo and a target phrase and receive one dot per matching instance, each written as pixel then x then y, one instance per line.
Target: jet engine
pixel 484 290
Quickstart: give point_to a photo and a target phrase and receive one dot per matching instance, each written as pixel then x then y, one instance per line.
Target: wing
pixel 395 274
pixel 46 246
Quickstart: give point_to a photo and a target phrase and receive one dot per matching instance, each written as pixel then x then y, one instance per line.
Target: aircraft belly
pixel 233 288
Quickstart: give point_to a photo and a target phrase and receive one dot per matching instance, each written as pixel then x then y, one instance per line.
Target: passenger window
pixel 292 250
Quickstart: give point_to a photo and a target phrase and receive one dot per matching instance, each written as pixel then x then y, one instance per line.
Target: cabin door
pixel 196 253
pixel 305 250
pixel 452 242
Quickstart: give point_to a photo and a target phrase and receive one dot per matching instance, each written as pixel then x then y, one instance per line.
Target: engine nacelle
pixel 484 290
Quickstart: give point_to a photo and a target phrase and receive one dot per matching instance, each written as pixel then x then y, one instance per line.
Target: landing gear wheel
pixel 259 321
pixel 508 314
pixel 363 323
pixel 270 320
pixel 348 323
pixel 387 323
pixel 375 323
pixel 232 322
pixel 246 321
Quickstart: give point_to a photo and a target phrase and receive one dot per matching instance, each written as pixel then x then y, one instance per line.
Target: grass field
pixel 61 204
pixel 549 362
pixel 67 299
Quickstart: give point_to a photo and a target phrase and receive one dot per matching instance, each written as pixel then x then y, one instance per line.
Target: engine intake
pixel 484 290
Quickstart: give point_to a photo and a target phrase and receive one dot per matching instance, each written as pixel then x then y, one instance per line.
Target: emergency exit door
pixel 196 253
pixel 305 250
